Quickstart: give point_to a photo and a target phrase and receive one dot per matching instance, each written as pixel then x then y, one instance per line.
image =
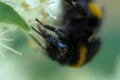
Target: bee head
pixel 58 48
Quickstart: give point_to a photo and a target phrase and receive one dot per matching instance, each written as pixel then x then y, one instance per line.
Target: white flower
pixel 2 32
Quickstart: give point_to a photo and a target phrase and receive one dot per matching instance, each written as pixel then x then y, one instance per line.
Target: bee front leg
pixel 60 32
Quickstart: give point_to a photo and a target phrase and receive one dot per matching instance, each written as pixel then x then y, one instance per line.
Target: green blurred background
pixel 34 65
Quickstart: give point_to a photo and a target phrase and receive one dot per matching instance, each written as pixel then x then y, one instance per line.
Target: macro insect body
pixel 76 43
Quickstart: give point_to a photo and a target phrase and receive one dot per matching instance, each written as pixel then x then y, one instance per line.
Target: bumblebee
pixel 76 43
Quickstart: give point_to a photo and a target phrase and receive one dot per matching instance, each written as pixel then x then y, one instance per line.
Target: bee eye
pixel 62 47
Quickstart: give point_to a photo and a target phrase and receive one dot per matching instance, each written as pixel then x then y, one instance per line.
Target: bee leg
pixel 77 7
pixel 69 2
pixel 61 33
pixel 46 26
pixel 93 48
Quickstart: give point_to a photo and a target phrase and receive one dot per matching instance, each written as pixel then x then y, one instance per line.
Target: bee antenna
pixel 40 33
pixel 37 42
pixel 39 22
